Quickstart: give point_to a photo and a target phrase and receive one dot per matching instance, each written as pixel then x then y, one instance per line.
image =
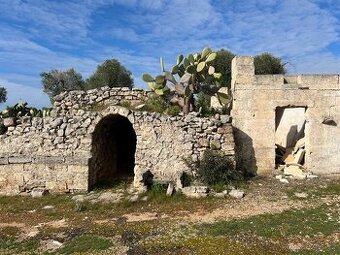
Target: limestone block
pixel 39 192
pixel 235 193
pixel 170 189
pixel 48 160
pixel 295 171
pixel 195 191
pixel 9 122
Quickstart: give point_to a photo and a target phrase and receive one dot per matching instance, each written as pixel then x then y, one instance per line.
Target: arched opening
pixel 113 151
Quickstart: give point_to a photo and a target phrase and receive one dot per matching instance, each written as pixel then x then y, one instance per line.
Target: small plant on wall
pixel 189 76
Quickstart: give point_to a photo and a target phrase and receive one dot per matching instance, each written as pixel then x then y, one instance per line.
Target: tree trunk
pixel 188 104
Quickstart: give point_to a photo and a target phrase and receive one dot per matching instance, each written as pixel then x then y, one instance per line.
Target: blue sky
pixel 40 35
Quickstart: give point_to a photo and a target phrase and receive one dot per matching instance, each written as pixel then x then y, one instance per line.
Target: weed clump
pixel 158 104
pixel 216 169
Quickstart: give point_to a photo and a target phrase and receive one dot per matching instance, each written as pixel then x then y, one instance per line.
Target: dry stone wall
pixel 255 100
pixel 70 101
pixel 55 152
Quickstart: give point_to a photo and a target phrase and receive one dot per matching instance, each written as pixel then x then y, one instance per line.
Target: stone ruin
pixel 91 139
pixel 281 121
pixel 285 121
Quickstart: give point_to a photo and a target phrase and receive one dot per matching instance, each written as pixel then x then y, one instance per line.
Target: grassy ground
pixel 269 220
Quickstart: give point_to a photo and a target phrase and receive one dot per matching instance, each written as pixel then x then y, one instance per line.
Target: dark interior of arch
pixel 113 151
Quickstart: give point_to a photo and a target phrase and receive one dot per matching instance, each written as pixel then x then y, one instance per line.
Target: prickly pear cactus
pixel 194 74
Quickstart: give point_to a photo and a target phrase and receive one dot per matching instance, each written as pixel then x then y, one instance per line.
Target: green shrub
pixel 21 109
pixel 155 104
pixel 173 110
pixel 85 243
pixel 215 168
pixel 203 102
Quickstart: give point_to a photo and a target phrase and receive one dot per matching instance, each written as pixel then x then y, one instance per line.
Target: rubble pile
pixel 291 160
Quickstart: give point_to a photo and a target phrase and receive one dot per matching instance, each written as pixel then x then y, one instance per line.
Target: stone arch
pixel 113 150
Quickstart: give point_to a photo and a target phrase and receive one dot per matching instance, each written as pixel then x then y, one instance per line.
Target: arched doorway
pixel 113 151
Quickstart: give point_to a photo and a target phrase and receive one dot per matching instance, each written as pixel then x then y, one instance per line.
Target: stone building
pixel 92 138
pixel 272 111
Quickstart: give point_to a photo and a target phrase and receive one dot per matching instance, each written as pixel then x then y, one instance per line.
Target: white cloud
pixel 15 92
pixel 61 34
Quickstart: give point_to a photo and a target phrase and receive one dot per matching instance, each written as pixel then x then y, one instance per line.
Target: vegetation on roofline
pixel 21 109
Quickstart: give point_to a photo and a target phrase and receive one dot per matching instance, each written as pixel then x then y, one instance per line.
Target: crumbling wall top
pixel 243 77
pixel 70 101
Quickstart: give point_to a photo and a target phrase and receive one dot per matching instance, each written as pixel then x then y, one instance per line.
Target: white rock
pixel 283 180
pixel 48 207
pixel 170 189
pixel 195 191
pixel 311 176
pixel 278 177
pixel 295 171
pixel 236 193
pixel 301 194
pixel 9 122
pixel 133 198
pixel 39 192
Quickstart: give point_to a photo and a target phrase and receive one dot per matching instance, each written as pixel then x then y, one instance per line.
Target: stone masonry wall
pixel 255 99
pixel 54 152
pixel 71 101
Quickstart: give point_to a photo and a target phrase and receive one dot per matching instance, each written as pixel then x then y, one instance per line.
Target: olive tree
pixel 56 81
pixel 111 73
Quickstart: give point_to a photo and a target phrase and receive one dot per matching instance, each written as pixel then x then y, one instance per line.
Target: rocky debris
pixel 296 171
pixel 291 159
pixel 235 193
pixel 195 191
pixel 39 192
pixel 311 176
pixel 292 155
pixel 283 180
